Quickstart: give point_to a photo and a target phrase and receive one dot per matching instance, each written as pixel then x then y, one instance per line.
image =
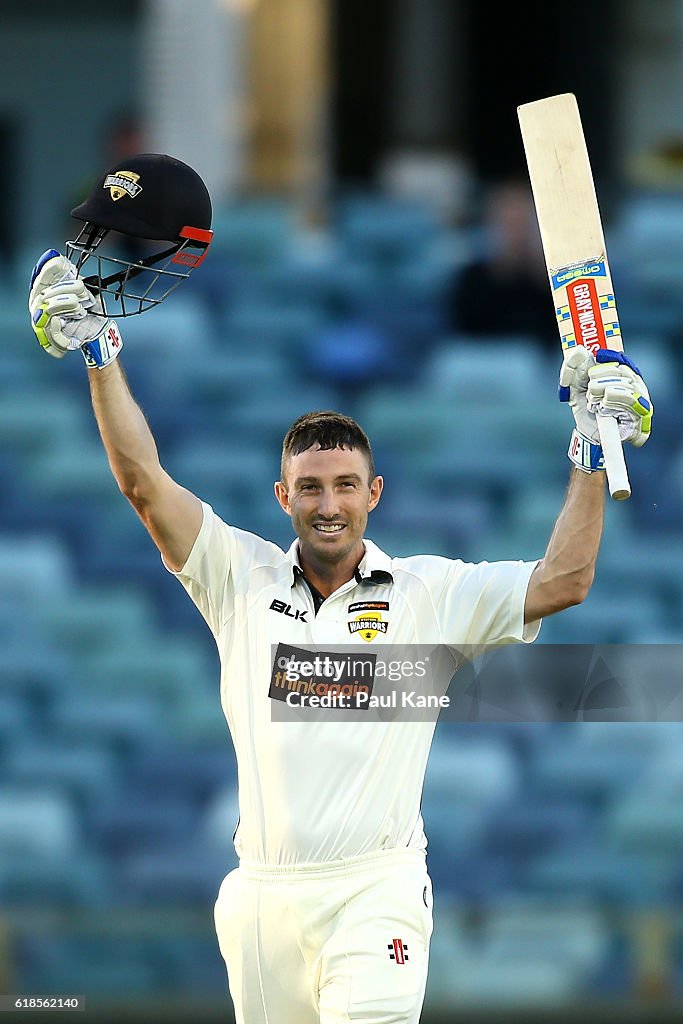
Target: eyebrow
pixel 316 479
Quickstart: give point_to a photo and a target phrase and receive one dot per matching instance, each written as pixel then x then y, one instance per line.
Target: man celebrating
pixel 328 916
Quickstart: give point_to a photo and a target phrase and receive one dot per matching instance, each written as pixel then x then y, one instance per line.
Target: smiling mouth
pixel 329 528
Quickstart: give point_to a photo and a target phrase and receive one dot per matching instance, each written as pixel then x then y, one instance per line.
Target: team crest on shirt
pixel 368 625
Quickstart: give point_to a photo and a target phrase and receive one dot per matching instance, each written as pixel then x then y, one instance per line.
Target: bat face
pixel 574 245
pixel 570 223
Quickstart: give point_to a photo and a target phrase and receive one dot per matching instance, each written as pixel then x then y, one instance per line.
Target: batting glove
pixel 607 385
pixel 66 316
pixel 616 388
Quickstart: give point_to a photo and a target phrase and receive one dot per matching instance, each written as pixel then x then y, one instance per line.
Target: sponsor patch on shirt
pixel 305 678
pixel 368 606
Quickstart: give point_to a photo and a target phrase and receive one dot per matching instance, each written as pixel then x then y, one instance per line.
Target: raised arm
pixel 564 575
pixel 65 316
pixel 171 513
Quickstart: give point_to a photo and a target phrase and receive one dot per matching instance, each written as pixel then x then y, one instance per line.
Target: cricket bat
pixel 574 245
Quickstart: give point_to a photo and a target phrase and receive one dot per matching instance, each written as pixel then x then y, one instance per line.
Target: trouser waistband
pixel 332 868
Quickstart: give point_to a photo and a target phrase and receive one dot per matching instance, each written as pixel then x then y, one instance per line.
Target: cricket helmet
pixel 143 199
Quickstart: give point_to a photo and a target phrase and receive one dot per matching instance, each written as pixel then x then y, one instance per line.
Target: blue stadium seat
pixel 186 773
pixel 34 819
pixel 591 774
pixel 68 469
pixel 614 975
pixel 117 723
pixel 195 965
pixel 646 824
pixel 527 827
pixel 14 718
pixel 621 618
pixel 501 369
pixel 482 771
pixel 81 771
pixel 47 879
pixel 408 418
pixel 96 616
pixel 385 229
pixel 180 876
pixel 165 667
pixel 574 936
pixel 178 329
pixel 197 720
pixel 252 233
pixel 650 224
pixel 127 822
pixel 471 877
pixel 217 384
pixel 99 966
pixel 594 874
pixel 33 668
pixel 273 329
pixel 642 740
pixel 34 566
pixel 28 427
pixel 480 981
pixel 219 821
pixel 452 522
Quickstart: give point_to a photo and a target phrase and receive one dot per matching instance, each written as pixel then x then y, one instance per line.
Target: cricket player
pixel 328 917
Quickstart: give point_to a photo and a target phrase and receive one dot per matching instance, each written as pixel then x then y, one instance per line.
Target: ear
pixel 376 488
pixel 282 496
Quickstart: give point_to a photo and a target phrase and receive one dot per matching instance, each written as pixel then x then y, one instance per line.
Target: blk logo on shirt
pixel 286 609
pixel 398 951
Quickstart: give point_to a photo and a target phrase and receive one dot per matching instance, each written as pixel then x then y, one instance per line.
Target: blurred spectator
pixel 503 288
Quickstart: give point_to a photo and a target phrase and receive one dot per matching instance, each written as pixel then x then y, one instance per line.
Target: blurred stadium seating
pixel 118 781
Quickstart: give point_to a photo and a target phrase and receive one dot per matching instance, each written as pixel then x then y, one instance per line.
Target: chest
pixel 364 616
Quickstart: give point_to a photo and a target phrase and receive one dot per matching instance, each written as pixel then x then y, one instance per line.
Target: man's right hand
pixel 66 316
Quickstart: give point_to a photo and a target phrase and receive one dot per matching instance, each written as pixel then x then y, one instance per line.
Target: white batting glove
pixel 617 389
pixel 609 385
pixel 66 316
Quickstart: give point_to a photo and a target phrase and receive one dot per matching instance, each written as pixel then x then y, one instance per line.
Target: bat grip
pixel 615 464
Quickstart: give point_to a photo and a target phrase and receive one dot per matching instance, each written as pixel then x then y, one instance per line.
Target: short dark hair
pixel 328 430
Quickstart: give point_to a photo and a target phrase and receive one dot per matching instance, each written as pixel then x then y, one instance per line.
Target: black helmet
pixel 153 197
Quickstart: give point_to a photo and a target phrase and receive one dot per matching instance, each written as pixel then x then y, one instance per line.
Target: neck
pixel 330 576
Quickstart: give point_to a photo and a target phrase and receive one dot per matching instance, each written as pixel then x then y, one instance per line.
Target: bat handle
pixel 615 464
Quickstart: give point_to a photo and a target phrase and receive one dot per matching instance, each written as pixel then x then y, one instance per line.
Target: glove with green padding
pixel 616 388
pixel 66 316
pixel 608 384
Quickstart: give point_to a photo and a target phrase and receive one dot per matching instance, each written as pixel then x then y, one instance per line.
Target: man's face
pixel 328 495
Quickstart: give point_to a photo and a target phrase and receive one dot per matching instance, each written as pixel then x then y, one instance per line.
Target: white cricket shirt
pixel 313 792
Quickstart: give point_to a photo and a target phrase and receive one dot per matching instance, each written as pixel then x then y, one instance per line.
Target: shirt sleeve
pixel 206 575
pixel 483 603
pixel 220 566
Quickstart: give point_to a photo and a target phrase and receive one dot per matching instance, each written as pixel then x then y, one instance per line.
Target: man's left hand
pixel 609 385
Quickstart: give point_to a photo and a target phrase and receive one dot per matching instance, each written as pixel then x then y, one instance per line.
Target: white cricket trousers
pixel 329 943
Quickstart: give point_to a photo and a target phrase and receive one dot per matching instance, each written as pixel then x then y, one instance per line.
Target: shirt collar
pixel 375 566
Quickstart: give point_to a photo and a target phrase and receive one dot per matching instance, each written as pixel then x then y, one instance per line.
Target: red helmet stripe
pixel 197 234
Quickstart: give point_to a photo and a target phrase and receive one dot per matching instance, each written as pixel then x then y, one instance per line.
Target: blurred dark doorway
pixel 524 52
pixel 499 59
pixel 9 139
pixel 360 44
